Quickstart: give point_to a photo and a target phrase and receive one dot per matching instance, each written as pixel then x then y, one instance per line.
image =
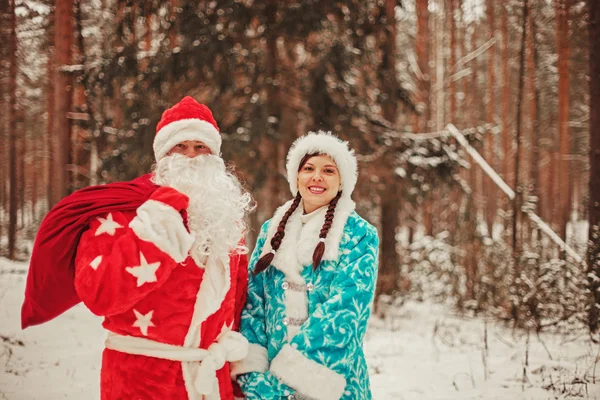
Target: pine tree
pixel 593 255
pixel 12 131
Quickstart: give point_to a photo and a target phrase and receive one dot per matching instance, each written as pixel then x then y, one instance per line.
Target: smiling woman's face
pixel 318 182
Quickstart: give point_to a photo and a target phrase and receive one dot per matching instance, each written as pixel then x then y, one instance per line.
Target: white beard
pixel 218 203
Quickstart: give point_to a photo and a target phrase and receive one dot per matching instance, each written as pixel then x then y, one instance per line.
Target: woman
pixel 311 285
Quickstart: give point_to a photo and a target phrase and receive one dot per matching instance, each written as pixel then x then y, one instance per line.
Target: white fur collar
pixel 300 240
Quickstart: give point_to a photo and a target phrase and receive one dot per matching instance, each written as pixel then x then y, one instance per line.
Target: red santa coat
pixel 133 268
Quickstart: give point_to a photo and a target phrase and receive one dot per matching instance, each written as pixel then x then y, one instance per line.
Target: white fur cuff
pixel 257 360
pixel 306 376
pixel 162 225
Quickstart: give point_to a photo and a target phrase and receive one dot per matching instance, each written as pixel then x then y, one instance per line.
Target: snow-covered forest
pixel 477 128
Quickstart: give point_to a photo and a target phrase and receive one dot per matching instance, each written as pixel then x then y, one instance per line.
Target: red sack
pixel 50 288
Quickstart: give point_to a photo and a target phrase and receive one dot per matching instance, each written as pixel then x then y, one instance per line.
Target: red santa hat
pixel 186 120
pixel 328 144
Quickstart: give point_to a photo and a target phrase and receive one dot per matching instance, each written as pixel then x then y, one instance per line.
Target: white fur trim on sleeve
pixel 162 225
pixel 257 360
pixel 307 376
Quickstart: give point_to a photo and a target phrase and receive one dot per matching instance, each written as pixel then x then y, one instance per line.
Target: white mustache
pixel 218 203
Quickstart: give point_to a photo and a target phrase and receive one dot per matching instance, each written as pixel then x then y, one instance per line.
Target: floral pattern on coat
pixel 324 360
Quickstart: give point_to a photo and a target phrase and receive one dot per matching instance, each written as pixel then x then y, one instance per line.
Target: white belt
pixel 230 346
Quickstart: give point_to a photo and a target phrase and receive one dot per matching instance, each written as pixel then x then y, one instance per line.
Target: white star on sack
pixel 144 272
pixel 95 262
pixel 107 225
pixel 143 321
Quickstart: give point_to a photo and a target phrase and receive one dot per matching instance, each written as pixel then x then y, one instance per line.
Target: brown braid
pixel 320 249
pixel 266 260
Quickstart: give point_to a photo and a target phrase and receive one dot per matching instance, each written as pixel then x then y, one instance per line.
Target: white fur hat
pixel 323 143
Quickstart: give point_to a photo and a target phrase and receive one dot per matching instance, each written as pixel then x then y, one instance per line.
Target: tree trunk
pixel 50 81
pixel 12 129
pixel 36 172
pixel 173 94
pixel 451 8
pixel 271 198
pixel 387 282
pixel 507 139
pixel 290 123
pixel 22 171
pixel 464 86
pixel 63 94
pixel 544 181
pixel 594 202
pixel 490 191
pixel 422 50
pixel 437 74
pixel 4 114
pixel 562 45
pixel 534 112
pixel 541 169
pixel 114 104
pixel 555 171
pixel 173 19
pixel 148 18
pixel 389 269
pixel 81 175
pixel 518 189
pixel 423 121
pixel 472 218
pixel 474 120
pixel 524 135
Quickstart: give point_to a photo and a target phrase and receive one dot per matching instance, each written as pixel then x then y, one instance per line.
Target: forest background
pixel 83 84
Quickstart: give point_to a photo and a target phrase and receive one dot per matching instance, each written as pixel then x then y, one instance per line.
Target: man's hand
pixel 161 221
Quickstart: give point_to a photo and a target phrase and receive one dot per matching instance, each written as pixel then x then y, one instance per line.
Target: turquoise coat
pixel 306 327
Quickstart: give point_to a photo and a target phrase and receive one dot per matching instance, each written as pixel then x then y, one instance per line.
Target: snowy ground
pixel 421 352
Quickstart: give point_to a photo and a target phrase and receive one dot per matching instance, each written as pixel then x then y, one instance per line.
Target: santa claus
pixel 162 259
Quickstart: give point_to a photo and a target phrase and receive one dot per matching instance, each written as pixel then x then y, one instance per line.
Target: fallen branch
pixel 511 194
